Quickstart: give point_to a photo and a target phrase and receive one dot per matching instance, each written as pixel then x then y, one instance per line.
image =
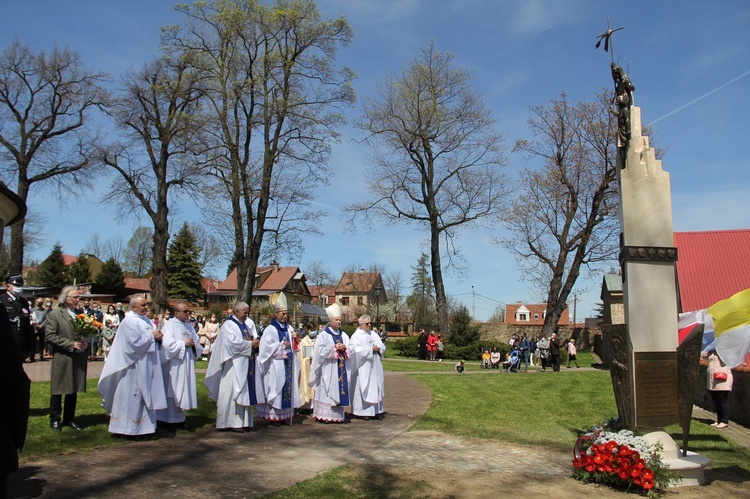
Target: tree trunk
pixel 159 263
pixel 441 306
pixel 16 233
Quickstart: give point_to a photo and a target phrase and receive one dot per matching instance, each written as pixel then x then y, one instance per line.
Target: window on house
pixel 523 317
pixel 536 317
pixel 360 300
pixel 345 300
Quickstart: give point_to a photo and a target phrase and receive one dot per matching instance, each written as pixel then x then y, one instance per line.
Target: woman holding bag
pixel 719 385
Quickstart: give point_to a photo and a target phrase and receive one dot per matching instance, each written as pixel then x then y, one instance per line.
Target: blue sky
pixel 689 61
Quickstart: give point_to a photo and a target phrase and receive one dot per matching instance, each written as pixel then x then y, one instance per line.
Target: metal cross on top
pixel 606 38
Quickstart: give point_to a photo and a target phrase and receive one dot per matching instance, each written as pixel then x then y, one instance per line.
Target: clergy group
pixel 149 376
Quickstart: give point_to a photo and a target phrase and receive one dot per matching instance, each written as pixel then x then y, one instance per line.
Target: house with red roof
pixel 323 295
pixel 269 283
pixel 520 314
pixel 356 291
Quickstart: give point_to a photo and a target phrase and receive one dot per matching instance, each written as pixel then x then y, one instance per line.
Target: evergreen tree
pixel 184 280
pixel 462 332
pixel 421 301
pixel 79 271
pixel 111 278
pixel 52 271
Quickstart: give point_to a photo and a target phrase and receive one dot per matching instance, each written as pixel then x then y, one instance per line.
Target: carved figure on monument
pixel 623 99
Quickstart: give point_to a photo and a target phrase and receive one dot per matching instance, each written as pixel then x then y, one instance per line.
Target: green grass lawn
pixel 41 441
pixel 543 409
pixel 409 365
pixel 548 409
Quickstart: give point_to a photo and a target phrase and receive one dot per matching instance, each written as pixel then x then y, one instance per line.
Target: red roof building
pixel 519 314
pixel 269 282
pixel 711 266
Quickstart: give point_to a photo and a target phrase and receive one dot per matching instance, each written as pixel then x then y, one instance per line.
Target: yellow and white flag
pixel 732 327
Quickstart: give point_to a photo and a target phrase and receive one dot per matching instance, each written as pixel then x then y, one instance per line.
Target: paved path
pixel 208 463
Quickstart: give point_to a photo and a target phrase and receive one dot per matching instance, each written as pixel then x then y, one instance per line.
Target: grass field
pixel 41 441
pixel 548 409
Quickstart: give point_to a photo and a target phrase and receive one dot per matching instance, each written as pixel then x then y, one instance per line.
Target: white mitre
pixel 280 303
pixel 333 311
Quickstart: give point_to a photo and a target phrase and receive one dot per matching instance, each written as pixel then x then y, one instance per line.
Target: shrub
pixel 407 346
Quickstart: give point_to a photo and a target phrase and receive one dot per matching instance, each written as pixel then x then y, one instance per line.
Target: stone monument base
pixel 691 467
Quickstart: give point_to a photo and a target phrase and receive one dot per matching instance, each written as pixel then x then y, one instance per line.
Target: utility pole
pixel 575 302
pixel 473 305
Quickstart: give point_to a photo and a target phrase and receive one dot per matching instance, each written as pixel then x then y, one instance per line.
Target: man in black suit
pixel 19 313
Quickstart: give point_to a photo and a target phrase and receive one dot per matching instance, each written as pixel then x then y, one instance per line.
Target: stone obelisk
pixel 648 257
pixel 644 352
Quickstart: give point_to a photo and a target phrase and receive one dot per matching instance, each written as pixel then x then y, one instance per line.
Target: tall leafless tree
pixel 46 105
pixel 438 158
pixel 138 252
pixel 273 95
pixel 156 114
pixel 564 216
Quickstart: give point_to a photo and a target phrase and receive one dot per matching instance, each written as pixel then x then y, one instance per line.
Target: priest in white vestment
pixel 278 366
pixel 304 357
pixel 131 383
pixel 231 375
pixel 329 374
pixel 180 348
pixel 366 350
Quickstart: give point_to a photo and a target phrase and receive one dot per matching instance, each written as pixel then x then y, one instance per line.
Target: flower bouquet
pixel 621 459
pixel 86 326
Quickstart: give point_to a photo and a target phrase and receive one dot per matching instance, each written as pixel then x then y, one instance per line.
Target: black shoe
pixel 55 425
pixel 380 416
pixel 234 430
pixel 72 424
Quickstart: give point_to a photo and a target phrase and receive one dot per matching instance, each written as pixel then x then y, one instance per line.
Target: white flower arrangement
pixel 626 437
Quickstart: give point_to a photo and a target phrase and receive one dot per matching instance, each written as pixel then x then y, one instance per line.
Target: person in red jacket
pixel 432 342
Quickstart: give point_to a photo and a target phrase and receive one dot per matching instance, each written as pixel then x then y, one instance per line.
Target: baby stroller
pixel 495 359
pixel 514 363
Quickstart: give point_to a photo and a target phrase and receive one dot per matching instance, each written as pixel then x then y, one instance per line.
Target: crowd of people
pixel 540 351
pixel 148 378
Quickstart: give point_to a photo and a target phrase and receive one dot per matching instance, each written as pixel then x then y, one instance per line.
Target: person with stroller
pixel 515 361
pixel 506 362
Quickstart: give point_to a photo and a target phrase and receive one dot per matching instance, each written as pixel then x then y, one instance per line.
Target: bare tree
pixel 209 247
pixel 95 246
pixel 138 253
pixel 564 216
pixel 272 96
pixel 113 247
pixel 156 114
pixel 393 281
pixel 46 103
pixel 318 274
pixel 438 157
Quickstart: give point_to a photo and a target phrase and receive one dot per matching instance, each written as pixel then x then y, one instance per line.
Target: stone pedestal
pixel 648 257
pixel 691 466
